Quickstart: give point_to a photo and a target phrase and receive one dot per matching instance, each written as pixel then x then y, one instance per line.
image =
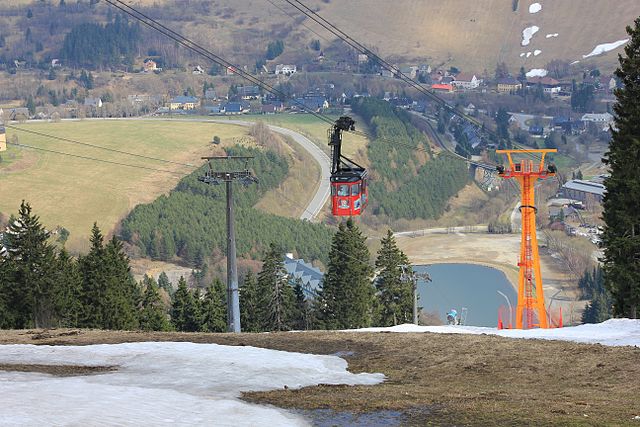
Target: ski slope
pixel 177 384
pixel 613 332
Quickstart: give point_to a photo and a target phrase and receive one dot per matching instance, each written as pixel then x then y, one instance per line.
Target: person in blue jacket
pixel 452 317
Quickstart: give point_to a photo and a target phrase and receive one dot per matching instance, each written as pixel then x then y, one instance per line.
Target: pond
pixel 474 287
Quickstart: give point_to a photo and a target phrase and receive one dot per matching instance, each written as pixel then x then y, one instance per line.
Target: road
pixel 322 193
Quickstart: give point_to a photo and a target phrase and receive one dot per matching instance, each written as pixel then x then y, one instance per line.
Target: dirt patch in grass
pixel 57 370
pixel 436 378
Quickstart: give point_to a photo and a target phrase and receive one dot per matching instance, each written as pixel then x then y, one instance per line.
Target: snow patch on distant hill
pixel 535 8
pixel 528 33
pixel 537 72
pixel 537 52
pixel 605 47
pixel 551 35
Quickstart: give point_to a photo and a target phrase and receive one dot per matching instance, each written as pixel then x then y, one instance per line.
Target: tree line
pixel 190 222
pixel 409 183
pixel 43 286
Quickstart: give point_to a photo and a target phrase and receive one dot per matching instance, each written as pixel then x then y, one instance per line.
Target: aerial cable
pixel 310 13
pixel 193 46
pixel 95 159
pixel 72 141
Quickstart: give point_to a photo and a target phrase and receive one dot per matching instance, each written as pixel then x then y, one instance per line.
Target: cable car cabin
pixel 349 193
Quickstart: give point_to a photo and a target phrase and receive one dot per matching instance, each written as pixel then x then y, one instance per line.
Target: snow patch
pixel 605 47
pixel 522 54
pixel 551 35
pixel 528 54
pixel 195 384
pixel 535 8
pixel 537 72
pixel 613 332
pixel 537 52
pixel 575 62
pixel 527 33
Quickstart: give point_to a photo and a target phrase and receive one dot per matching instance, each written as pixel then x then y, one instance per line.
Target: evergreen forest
pixel 190 222
pixel 408 180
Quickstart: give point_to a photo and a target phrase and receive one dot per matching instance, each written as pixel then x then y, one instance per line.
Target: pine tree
pixel 395 295
pixel 123 294
pixel 33 259
pixel 277 301
pixel 621 236
pixel 214 308
pixel 93 271
pixel 164 283
pixel 67 285
pixel 302 319
pixel 346 297
pixel 153 316
pixel 184 316
pixel 250 316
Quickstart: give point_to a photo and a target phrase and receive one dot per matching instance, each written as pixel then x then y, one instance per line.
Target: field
pixel 74 193
pixel 431 379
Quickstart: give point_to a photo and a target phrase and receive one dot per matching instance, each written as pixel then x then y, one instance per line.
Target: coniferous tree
pixel 621 236
pixel 277 300
pixel 346 297
pixel 92 268
pixel 123 294
pixel 164 283
pixel 153 315
pixel 302 319
pixel 250 315
pixel 395 295
pixel 184 315
pixel 32 261
pixel 67 282
pixel 214 308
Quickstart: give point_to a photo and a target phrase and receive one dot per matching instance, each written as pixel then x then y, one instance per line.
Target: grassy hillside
pixel 74 193
pixel 470 35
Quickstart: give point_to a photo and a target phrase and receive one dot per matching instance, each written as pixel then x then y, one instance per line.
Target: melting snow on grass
pixel 614 332
pixel 527 33
pixel 551 35
pixel 160 383
pixel 535 8
pixel 604 48
pixel 537 52
pixel 537 72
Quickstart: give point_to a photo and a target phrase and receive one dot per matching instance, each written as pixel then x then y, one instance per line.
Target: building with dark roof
pixel 578 189
pixel 310 277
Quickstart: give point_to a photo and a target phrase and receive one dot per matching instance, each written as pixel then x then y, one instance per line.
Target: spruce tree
pixel 395 295
pixel 250 315
pixel 153 316
pixel 67 285
pixel 621 236
pixel 184 315
pixel 277 300
pixel 32 258
pixel 123 294
pixel 214 308
pixel 346 297
pixel 164 283
pixel 302 319
pixel 92 268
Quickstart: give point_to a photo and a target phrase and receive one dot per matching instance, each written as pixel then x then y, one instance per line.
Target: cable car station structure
pixel 530 293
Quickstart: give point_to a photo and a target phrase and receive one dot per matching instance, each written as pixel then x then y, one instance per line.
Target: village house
pixel 581 190
pixel 508 84
pixel 210 94
pixel 286 70
pixel 362 58
pixel 248 92
pixel 233 108
pixel 466 81
pixel 604 118
pixel 184 103
pixel 197 70
pixel 55 63
pixel 440 87
pixel 309 276
pixel 149 66
pixel 549 85
pixel 411 71
pixel 93 102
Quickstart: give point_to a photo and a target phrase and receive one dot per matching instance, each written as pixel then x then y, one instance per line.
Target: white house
pixel 597 118
pixel 93 102
pixel 286 70
pixel 466 81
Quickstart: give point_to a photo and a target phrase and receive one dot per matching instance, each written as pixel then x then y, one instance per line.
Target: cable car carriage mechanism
pixel 349 193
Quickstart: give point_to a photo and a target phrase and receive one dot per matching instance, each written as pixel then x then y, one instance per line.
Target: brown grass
pixel 458 379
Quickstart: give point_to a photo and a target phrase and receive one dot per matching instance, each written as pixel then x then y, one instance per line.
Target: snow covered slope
pixel 614 332
pixel 177 384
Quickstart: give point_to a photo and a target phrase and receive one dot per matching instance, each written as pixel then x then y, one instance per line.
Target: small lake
pixel 466 285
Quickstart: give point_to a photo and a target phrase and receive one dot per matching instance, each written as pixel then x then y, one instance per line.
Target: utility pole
pixel 408 273
pixel 245 177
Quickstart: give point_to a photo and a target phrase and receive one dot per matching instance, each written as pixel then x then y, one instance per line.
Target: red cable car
pixel 349 192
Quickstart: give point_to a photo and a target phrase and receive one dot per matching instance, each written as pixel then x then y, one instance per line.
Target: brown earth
pixel 434 379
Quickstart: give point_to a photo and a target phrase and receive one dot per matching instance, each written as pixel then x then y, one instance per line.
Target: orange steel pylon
pixel 530 293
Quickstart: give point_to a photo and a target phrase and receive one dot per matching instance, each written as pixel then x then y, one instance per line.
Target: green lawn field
pixel 75 193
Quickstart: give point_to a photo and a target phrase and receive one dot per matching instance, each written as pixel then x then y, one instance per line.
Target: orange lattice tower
pixel 530 293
